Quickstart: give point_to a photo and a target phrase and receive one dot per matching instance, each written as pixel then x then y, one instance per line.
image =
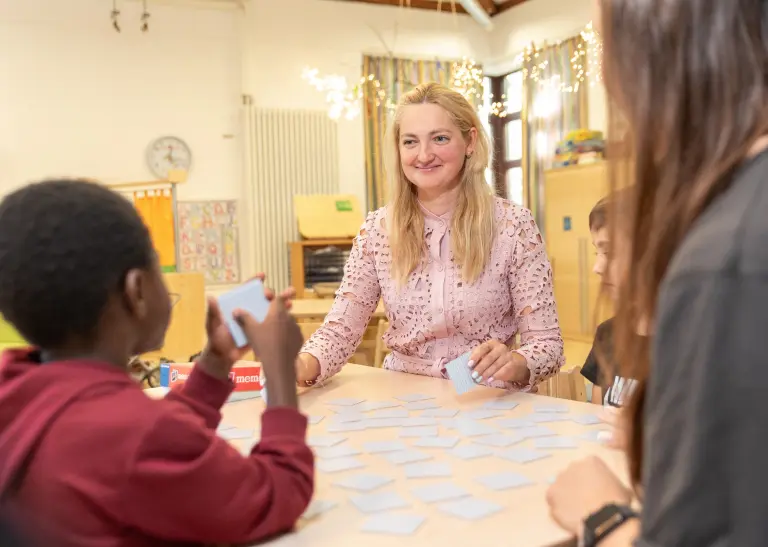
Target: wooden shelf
pixel 296 249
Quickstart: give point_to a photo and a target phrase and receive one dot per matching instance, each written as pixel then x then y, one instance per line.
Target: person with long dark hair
pixel 690 81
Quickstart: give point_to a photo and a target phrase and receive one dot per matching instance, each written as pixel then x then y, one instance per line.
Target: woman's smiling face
pixel 432 149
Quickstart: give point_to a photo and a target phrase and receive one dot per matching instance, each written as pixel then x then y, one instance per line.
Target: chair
pixel 381 348
pixel 308 329
pixel 567 384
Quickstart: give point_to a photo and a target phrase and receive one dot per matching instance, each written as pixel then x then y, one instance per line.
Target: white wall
pixel 77 98
pixel 332 37
pixel 539 21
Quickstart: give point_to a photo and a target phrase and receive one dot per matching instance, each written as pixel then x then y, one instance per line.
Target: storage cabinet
pixel 570 194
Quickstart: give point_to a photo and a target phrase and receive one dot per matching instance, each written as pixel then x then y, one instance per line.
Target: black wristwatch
pixel 604 521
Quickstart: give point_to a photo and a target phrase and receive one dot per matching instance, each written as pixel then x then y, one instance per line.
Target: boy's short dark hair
pixel 598 216
pixel 65 246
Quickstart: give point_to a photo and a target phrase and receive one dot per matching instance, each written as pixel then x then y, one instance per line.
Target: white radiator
pixel 287 152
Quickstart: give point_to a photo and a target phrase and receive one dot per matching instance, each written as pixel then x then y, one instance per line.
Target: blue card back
pixel 460 375
pixel 249 297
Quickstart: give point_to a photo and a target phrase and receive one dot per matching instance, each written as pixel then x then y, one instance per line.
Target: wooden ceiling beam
pixel 416 4
pixel 489 6
pixel 504 6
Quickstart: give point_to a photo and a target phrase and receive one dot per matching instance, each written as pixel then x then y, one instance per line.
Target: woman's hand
pixel 220 352
pixel 584 487
pixel 307 369
pixel 493 361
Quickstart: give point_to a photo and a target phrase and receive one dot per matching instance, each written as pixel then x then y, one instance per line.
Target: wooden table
pixel 525 519
pixel 318 308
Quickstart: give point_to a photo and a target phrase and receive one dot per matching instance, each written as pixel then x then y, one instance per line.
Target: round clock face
pixel 168 153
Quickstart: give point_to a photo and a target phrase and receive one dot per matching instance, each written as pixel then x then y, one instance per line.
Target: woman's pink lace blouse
pixel 436 317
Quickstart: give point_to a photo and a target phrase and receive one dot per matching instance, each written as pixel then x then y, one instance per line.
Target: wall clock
pixel 167 153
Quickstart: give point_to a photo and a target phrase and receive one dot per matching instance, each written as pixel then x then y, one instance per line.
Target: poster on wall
pixel 208 240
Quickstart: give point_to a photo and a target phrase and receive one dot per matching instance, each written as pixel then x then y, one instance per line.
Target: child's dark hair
pixel 65 246
pixel 598 216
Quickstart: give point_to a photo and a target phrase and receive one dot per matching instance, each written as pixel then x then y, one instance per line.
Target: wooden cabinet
pixel 569 195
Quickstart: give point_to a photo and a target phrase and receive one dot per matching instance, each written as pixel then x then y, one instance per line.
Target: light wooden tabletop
pixel 524 520
pixel 319 308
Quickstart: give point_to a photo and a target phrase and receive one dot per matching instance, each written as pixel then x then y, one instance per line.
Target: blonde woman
pixel 458 269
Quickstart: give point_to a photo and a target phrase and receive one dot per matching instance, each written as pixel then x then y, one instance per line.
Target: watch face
pixel 166 154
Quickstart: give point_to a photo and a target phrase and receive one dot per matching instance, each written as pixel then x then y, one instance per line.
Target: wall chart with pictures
pixel 208 240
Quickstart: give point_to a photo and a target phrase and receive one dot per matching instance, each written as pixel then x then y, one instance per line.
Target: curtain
pixel 395 77
pixel 156 210
pixel 555 103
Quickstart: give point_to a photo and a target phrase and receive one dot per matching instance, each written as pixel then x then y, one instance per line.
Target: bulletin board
pixel 209 240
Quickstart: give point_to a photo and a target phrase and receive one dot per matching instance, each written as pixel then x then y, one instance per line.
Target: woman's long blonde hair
pixel 473 224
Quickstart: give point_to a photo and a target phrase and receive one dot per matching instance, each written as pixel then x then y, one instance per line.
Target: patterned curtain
pixel 396 77
pixel 555 103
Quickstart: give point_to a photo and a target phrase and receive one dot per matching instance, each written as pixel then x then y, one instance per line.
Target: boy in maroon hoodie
pixel 82 449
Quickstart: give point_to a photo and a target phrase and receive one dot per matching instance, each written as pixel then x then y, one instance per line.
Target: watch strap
pixel 604 521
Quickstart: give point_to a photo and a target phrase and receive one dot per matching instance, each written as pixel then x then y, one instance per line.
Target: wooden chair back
pixel 567 384
pixel 308 329
pixel 381 348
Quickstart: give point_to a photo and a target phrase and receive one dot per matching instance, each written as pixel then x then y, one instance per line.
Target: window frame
pixel 501 165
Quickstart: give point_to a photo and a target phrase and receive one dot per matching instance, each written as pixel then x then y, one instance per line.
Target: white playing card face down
pixel 550 407
pixel 523 455
pixel 312 420
pixel 417 421
pixel 439 413
pixel 436 442
pixel 406 456
pixel 420 405
pixel 338 464
pixel 470 508
pixel 503 481
pixel 442 491
pixel 535 432
pixel 318 507
pixel 469 428
pixel 374 405
pixel 394 524
pixel 336 452
pixel 471 451
pixel 364 482
pixel 377 447
pixel 546 417
pixel 514 423
pixel 480 414
pixel 587 419
pixel 499 441
pixel 389 413
pixel 501 404
pixel 341 428
pixel 324 440
pixel 555 442
pixel 378 501
pixel 249 297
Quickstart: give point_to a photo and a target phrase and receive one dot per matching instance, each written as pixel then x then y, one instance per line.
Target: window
pixel 507 133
